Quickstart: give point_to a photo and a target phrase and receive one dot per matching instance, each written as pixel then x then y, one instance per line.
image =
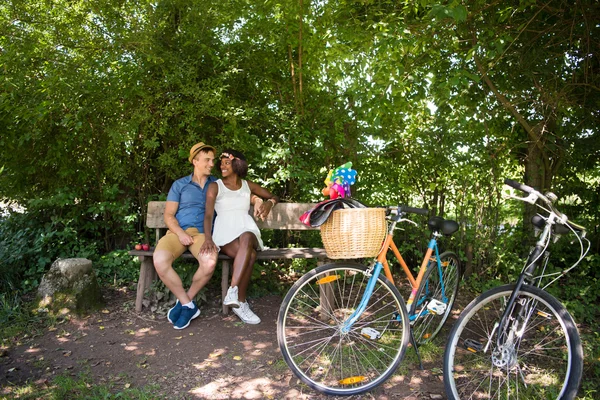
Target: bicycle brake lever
pixel 531 199
pixel 408 220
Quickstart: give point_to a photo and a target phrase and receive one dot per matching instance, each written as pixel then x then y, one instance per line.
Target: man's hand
pixel 185 239
pixel 257 202
pixel 263 210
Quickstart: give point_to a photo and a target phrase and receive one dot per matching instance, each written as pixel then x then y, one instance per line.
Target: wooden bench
pixel 283 216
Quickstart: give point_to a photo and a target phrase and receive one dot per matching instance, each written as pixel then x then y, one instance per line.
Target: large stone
pixel 70 284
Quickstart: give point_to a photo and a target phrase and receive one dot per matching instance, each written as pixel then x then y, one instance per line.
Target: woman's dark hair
pixel 238 164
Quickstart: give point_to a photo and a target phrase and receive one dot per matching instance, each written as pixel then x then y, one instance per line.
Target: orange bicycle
pixel 343 328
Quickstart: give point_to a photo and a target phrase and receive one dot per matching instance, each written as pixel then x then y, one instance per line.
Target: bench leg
pixel 147 276
pixel 326 299
pixel 225 284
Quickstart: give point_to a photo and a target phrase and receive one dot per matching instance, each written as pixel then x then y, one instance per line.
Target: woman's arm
pixel 209 212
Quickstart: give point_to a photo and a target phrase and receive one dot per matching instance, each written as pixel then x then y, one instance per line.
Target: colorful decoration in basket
pixel 339 180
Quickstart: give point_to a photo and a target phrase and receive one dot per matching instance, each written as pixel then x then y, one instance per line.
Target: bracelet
pixel 272 201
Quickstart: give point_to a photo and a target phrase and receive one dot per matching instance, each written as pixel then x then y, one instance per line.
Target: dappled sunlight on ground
pixel 216 357
pixel 236 388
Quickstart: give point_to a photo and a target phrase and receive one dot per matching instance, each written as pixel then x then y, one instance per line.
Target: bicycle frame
pixel 381 263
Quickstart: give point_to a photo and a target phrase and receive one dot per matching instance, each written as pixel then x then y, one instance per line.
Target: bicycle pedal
pixel 370 333
pixel 437 307
pixel 472 345
pixel 396 317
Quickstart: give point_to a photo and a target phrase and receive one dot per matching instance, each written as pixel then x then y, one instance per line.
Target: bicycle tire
pixel 428 325
pixel 313 345
pixel 523 368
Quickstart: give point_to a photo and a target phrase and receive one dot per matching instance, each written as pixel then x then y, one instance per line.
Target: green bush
pixel 116 268
pixel 61 226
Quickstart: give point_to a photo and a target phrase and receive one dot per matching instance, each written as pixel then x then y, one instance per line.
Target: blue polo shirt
pixel 192 201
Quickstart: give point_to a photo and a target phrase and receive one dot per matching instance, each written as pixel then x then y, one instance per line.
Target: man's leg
pixel 206 265
pixel 167 249
pixel 206 268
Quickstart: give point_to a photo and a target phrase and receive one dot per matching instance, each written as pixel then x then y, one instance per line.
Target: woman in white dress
pixel 235 233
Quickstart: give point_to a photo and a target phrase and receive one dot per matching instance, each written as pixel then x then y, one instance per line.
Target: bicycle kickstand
pixel 414 345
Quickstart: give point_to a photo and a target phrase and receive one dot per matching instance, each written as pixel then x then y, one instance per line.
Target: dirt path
pixel 217 357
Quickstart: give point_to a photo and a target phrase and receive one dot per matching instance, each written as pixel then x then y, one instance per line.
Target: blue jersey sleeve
pixel 174 192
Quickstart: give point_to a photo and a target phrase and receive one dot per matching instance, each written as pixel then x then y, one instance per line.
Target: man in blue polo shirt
pixel 184 216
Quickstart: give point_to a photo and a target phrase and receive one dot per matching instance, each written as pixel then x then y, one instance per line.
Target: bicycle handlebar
pixel 402 209
pixel 537 195
pixel 413 210
pixel 519 186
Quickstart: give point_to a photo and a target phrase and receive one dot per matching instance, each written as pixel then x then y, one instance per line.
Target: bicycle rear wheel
pixel 434 299
pixel 309 330
pixel 540 358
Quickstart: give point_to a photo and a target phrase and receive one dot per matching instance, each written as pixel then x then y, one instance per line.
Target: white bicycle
pixel 518 341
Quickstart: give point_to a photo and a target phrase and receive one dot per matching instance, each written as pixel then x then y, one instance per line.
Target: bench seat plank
pixel 266 254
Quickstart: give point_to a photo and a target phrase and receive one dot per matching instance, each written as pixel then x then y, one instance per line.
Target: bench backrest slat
pixel 282 216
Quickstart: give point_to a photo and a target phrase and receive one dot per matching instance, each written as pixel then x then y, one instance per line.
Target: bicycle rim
pixel 313 344
pixel 429 320
pixel 541 357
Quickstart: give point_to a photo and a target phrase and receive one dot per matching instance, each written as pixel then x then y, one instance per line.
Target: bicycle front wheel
pixel 435 297
pixel 317 348
pixel 538 357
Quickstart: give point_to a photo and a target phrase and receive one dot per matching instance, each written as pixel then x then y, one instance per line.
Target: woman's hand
pixel 263 210
pixel 209 247
pixel 257 202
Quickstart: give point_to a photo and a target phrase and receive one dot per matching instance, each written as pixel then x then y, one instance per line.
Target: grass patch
pixel 65 387
pixel 590 384
pixel 19 316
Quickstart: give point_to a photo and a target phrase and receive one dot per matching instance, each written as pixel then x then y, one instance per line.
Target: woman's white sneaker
pixel 246 314
pixel 231 299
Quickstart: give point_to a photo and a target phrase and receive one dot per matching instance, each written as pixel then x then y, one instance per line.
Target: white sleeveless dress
pixel 233 218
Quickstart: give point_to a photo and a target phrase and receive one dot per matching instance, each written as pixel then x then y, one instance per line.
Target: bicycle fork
pixel 347 325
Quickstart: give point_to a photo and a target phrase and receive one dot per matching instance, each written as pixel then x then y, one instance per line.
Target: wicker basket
pixel 354 232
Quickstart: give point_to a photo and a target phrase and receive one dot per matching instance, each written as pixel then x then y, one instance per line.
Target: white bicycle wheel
pixel 317 348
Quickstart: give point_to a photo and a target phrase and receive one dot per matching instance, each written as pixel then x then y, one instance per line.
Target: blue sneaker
pixel 187 315
pixel 174 313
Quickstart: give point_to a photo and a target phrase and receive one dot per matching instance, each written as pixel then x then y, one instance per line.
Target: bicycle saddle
pixel 319 214
pixel 439 224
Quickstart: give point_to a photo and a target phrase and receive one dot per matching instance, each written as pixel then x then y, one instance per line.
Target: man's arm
pixel 173 225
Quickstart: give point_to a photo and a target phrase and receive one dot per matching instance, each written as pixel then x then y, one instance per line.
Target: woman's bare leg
pixel 243 252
